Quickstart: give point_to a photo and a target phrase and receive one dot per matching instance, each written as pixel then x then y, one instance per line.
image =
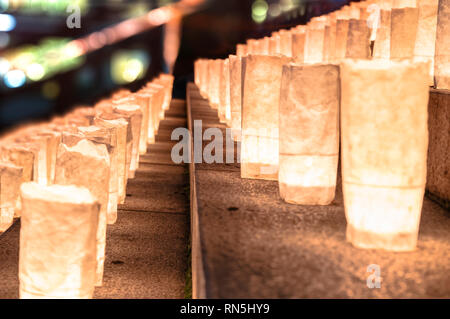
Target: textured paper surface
pixel 442 60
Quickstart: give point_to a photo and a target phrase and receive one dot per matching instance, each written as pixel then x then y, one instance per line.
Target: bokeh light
pixel 259 11
pixel 14 78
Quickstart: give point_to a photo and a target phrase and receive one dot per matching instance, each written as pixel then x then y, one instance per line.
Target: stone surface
pixel 254 245
pixel 438 163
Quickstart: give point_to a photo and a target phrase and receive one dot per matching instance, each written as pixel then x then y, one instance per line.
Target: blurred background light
pixel 259 11
pixel 129 65
pixel 7 22
pixel 50 90
pixel 15 78
pixel 35 71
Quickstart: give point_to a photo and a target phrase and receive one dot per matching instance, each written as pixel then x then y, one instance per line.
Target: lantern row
pixel 290 98
pixel 64 179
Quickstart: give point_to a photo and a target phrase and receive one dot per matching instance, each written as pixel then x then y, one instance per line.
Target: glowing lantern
pixel 382 45
pixel 156 93
pixel 143 100
pixel 11 177
pixel 442 61
pixel 215 70
pixel 261 93
pixel 424 49
pixel 241 50
pixel 404 4
pixel 275 44
pixel 166 80
pixel 86 164
pixel 309 138
pixel 235 95
pixel 358 40
pixel 341 38
pixel 224 106
pixel 384 151
pixel 403 32
pixel 58 242
pixel 108 137
pixel 285 43
pixel 298 46
pixel 133 112
pixel 314 44
pixel 121 126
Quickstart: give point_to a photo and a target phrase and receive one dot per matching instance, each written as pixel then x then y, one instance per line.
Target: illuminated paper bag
pixel 403 32
pixel 275 44
pixel 384 151
pixel 241 50
pixel 143 100
pixel 121 127
pixel 341 39
pixel 224 97
pixel 235 95
pixel 309 133
pixel 86 164
pixel 133 112
pixel 298 46
pixel 58 242
pixel 286 43
pixel 358 40
pixel 442 59
pixel 108 137
pixel 382 45
pixel 156 93
pixel 166 80
pixel 424 49
pixel 11 178
pixel 214 85
pixel 314 44
pixel 404 4
pixel 261 94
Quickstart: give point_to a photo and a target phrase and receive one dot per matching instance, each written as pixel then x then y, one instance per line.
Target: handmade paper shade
pixel 235 95
pixel 358 40
pixel 261 93
pixel 241 50
pixel 223 97
pixel 10 181
pixel 275 44
pixel 108 137
pixel 286 43
pixel 341 39
pixel 143 100
pixel 424 49
pixel 58 242
pixel 403 32
pixel 384 151
pixel 382 45
pixel 314 44
pixel 87 164
pixel 442 59
pixel 135 115
pixel 309 138
pixel 298 46
pixel 404 4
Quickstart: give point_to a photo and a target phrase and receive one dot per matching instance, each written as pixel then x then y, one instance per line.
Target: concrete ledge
pixel 438 167
pixel 251 244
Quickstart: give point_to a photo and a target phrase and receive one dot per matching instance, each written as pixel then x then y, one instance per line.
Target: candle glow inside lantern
pixel 341 38
pixel 11 177
pixel 84 163
pixel 442 55
pixel 298 46
pixel 314 44
pixel 58 242
pixel 261 93
pixel 224 91
pixel 384 151
pixel 309 138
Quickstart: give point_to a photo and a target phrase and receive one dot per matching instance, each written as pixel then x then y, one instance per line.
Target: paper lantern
pixel 314 44
pixel 341 38
pixel 143 100
pixel 275 44
pixel 404 4
pixel 241 50
pixel 223 91
pixel 134 113
pixel 108 137
pixel 309 138
pixel 403 32
pixel 20 156
pixel 358 40
pixel 442 59
pixel 156 91
pixel 424 49
pixel 382 45
pixel 298 46
pixel 384 151
pixel 87 164
pixel 120 126
pixel 57 242
pixel 261 93
pixel 166 80
pixel 235 95
pixel 11 177
pixel 215 70
pixel 285 43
